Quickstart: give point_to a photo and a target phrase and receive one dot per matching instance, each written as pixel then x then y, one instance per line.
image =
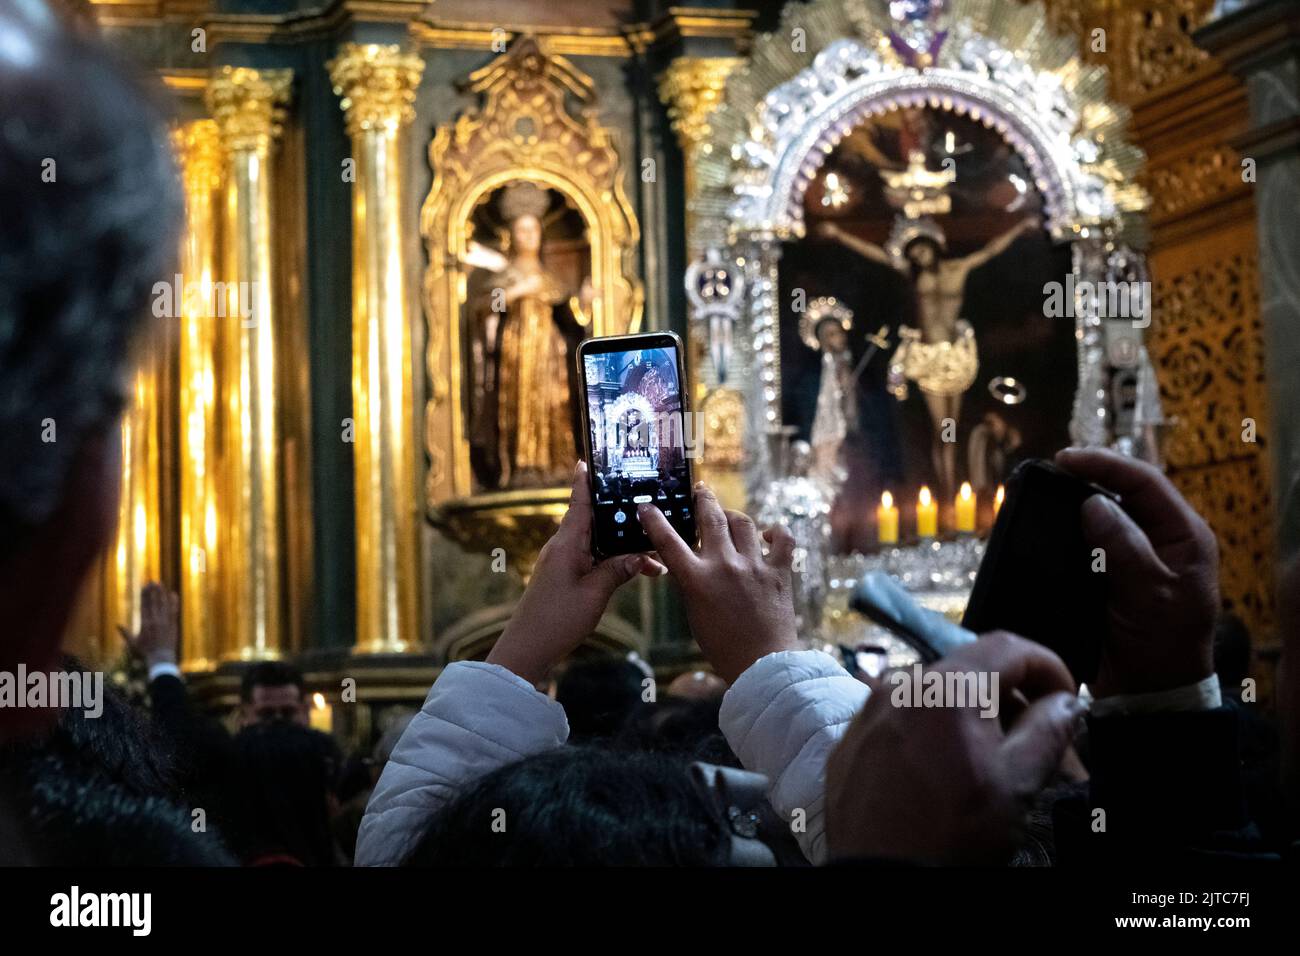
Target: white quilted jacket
pixel 781 717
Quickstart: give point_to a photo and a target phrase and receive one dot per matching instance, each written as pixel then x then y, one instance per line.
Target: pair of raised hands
pixel 738 599
pixel 924 784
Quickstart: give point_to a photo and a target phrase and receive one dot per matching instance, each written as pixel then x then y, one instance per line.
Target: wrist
pixel 156 658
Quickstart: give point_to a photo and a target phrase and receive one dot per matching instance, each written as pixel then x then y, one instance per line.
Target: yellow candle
pixel 997 500
pixel 927 514
pixel 887 520
pixel 321 714
pixel 965 505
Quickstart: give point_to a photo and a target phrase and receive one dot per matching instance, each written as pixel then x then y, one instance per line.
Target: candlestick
pixel 997 500
pixel 965 506
pixel 887 520
pixel 927 514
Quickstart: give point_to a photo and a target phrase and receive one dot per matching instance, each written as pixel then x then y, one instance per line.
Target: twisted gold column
pixel 198 150
pixel 247 106
pixel 377 85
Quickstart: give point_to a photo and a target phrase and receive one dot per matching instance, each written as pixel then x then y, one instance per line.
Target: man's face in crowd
pixel 278 702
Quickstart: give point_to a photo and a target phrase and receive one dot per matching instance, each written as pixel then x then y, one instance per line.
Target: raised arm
pixel 998 246
pixel 868 250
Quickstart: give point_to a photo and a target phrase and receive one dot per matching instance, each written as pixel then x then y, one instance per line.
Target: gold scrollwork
pixel 522 129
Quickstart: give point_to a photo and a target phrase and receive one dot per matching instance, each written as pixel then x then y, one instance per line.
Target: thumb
pixel 1037 741
pixel 612 573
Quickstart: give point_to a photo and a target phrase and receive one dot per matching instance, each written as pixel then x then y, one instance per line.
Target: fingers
pixel 1127 549
pixel 715 531
pixel 1020 664
pixel 608 576
pixel 1037 741
pixel 781 553
pixel 675 553
pixel 577 520
pixel 744 534
pixel 1151 498
pixel 651 568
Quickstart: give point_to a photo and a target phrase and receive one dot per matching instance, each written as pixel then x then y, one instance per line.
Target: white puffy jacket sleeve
pixel 782 717
pixel 477 718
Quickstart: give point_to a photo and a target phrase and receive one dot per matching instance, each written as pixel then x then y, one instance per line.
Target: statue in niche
pixel 941 356
pixel 525 321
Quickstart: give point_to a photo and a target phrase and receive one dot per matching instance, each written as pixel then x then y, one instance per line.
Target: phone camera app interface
pixel 638 451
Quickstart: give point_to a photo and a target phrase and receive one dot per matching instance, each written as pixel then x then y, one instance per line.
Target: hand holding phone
pixel 739 601
pixel 1161 583
pixel 566 595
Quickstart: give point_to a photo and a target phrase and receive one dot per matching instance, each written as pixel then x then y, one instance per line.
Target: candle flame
pixel 966 491
pixel 886 501
pixel 1001 494
pixel 924 497
pixel 318 701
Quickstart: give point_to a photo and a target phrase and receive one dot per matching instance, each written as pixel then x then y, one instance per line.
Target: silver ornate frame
pixel 1003 69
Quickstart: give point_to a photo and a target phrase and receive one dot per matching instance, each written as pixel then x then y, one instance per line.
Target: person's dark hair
pixel 579 806
pixel 71 817
pixel 281 784
pixel 121 743
pixel 685 728
pixel 269 674
pixel 599 696
pixel 91 206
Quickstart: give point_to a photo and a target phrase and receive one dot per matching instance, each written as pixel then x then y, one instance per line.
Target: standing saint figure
pixel 941 356
pixel 526 321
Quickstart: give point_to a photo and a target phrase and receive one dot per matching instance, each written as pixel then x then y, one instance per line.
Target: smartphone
pixel 1037 578
pixel 634 423
pixel 883 600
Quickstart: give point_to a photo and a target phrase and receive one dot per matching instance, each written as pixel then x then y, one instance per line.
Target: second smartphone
pixel 636 438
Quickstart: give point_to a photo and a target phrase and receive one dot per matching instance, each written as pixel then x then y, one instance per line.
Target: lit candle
pixel 997 500
pixel 927 514
pixel 321 715
pixel 965 505
pixel 887 520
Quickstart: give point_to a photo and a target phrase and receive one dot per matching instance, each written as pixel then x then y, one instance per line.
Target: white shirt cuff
pixel 164 668
pixel 1203 695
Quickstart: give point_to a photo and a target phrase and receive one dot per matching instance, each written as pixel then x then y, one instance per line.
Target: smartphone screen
pixel 636 442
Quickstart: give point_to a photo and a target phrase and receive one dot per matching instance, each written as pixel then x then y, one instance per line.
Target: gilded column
pixel 377 85
pixel 247 106
pixel 136 556
pixel 692 88
pixel 198 150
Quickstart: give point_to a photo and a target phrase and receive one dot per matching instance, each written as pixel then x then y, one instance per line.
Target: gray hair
pixel 90 205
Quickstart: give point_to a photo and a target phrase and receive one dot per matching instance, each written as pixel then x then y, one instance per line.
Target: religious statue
pixel 940 356
pixel 525 323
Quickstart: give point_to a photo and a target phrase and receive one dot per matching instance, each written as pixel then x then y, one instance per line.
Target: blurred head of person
pixel 98 790
pixel 90 207
pixel 579 806
pixel 600 695
pixel 272 691
pixel 281 796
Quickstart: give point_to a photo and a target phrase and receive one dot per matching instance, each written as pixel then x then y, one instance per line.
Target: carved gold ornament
pixel 535 123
